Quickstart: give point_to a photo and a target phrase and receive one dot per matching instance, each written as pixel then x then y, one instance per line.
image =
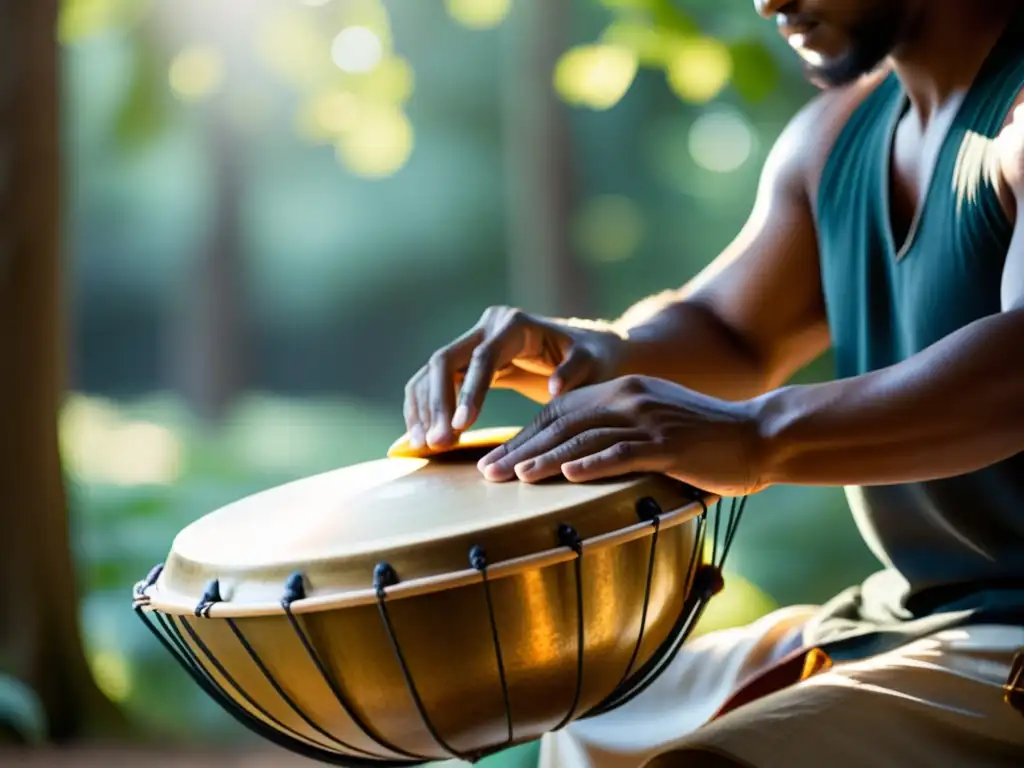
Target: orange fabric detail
pixel 792 669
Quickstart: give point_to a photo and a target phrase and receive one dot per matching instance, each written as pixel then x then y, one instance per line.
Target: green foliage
pixel 145 110
pixel 755 72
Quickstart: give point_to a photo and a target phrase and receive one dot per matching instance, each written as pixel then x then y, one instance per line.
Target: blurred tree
pixel 40 645
pixel 543 274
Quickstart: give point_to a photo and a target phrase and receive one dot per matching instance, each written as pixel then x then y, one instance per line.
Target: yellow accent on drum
pixel 474 439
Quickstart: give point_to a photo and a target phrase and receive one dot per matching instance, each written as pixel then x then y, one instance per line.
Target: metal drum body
pixel 407 610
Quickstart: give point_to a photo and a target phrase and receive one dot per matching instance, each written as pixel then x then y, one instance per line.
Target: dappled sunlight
pixel 478 14
pixel 295 48
pixel 721 140
pixel 595 76
pixel 196 73
pixel 356 49
pixel 378 144
pixel 101 446
pixel 698 69
pixel 390 83
pixel 740 602
pixel 81 19
pixel 113 674
pixel 327 115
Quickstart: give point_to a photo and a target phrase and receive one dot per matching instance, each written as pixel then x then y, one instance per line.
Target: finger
pixel 484 362
pixel 412 412
pixel 566 429
pixel 572 372
pixel 551 412
pixel 442 372
pixel 622 458
pixel 588 443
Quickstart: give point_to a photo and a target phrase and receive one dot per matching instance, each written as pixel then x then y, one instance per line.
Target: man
pixel 885 227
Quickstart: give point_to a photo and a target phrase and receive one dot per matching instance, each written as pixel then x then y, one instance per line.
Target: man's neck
pixel 946 46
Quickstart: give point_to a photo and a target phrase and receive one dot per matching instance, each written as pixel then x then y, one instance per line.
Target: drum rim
pixel 178 605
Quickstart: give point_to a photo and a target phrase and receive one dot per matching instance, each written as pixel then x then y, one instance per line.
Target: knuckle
pixel 413 384
pixel 633 385
pixel 622 451
pixel 574 444
pixel 515 317
pixel 644 404
pixel 438 360
pixel 481 356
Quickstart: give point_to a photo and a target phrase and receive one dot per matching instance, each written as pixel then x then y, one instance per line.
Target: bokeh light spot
pixel 296 48
pixel 100 446
pixel 721 141
pixel 112 675
pixel 334 112
pixel 379 143
pixel 391 82
pixel 609 228
pixel 699 69
pixel 478 14
pixel 595 76
pixel 81 19
pixel 357 49
pixel 196 73
pixel 740 603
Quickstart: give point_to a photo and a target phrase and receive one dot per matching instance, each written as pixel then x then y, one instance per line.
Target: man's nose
pixel 769 8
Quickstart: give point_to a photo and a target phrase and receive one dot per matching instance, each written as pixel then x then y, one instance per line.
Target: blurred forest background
pixel 274 210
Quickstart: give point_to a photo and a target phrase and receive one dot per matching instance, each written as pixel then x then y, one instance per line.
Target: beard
pixel 872 40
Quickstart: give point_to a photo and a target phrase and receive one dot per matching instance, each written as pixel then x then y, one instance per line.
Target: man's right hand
pixel 507 349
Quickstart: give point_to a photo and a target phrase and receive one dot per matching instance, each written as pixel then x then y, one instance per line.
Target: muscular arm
pixel 756 315
pixel 953 408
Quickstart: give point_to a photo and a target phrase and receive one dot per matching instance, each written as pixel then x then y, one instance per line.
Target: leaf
pixel 755 73
pixel 144 113
pixel 663 13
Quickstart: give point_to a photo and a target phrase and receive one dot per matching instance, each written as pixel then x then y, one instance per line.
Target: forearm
pixel 668 337
pixel 955 407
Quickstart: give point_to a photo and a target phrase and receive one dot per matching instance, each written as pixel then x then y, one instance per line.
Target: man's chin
pixel 837 74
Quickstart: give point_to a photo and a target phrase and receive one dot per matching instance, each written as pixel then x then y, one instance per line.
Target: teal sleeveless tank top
pixel 953 549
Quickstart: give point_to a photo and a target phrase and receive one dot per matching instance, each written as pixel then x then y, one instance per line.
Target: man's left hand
pixel 637 424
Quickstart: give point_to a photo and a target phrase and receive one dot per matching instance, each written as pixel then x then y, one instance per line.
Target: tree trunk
pixel 209 328
pixel 543 275
pixel 40 643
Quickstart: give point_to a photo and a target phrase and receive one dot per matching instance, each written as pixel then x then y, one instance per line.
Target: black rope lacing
pixel 384 576
pixel 295 590
pixel 478 560
pixel 568 537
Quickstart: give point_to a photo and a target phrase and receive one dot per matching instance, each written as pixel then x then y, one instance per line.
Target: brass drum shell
pixel 445 638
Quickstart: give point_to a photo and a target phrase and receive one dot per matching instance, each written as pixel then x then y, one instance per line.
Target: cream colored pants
pixel 932 703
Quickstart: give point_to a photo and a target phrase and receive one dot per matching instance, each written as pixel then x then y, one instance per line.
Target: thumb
pixel 572 372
